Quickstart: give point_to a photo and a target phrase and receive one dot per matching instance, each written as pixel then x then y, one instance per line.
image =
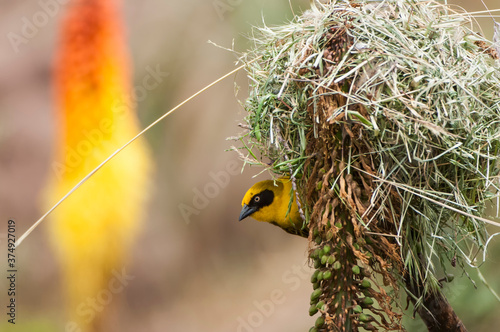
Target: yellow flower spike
pixel 93 229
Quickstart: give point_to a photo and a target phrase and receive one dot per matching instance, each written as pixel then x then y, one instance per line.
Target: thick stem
pixel 435 310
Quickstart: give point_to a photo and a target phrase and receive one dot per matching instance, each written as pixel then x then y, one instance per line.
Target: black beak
pixel 246 211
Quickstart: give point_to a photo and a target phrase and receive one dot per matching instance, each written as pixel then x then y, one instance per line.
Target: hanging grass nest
pixel 387 117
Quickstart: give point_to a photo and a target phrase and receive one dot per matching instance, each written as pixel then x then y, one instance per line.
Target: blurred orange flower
pixel 93 229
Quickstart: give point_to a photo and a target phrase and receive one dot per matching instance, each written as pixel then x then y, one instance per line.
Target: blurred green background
pixel 205 272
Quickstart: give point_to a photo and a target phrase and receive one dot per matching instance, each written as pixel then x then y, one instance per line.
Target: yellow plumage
pixel 274 202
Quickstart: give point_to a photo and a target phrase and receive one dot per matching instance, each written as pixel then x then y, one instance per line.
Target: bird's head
pixel 258 199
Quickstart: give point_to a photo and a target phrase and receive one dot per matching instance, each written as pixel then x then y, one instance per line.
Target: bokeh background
pixel 205 272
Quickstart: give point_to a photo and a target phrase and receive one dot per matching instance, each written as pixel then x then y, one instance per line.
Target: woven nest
pixel 386 116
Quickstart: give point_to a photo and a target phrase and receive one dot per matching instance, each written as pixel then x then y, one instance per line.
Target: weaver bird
pixel 274 202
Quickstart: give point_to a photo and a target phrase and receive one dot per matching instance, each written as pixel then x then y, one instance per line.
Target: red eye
pixel 256 199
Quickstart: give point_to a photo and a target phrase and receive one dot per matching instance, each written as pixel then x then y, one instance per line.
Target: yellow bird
pixel 274 202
